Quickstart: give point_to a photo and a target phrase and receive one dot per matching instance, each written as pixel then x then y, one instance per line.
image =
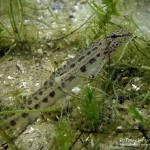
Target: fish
pixel 87 64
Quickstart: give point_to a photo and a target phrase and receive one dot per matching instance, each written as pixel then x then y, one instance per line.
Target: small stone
pixel 76 90
pixel 40 51
pixel 10 78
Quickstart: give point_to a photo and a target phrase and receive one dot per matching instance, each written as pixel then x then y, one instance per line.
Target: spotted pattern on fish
pixel 68 76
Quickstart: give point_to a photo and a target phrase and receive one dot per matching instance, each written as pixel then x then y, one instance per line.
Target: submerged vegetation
pixel 112 110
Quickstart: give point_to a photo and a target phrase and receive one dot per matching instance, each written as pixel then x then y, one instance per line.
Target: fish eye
pixel 113 36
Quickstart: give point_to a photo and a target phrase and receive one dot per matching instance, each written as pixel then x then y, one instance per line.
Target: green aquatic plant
pixel 105 13
pixel 99 110
pixel 136 113
pixel 90 110
pixel 64 135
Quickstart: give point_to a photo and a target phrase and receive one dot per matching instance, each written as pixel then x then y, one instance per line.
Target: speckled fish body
pixel 85 64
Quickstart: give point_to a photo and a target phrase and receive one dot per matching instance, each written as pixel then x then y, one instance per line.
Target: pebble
pixel 40 51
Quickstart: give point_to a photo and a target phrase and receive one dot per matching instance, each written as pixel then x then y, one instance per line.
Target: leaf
pixel 89 95
pixel 136 113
